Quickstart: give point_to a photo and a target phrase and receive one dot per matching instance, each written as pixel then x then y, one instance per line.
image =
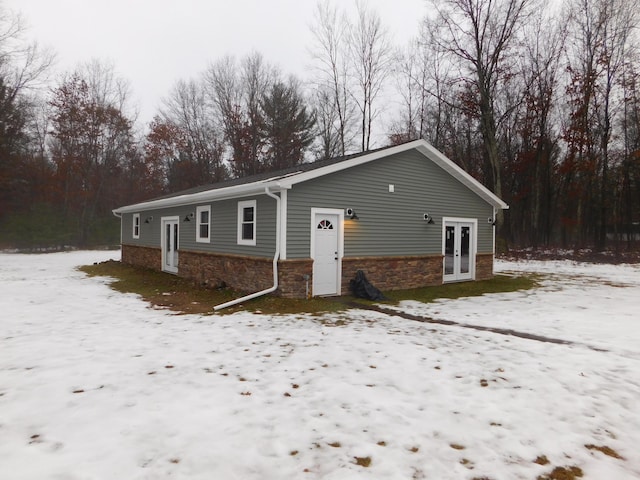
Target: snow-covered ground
pixel 94 384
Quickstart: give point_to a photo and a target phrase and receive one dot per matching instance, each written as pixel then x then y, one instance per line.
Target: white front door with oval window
pixel 326 250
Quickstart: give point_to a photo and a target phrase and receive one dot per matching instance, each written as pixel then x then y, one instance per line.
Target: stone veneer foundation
pixel 252 274
pixel 484 266
pixel 394 273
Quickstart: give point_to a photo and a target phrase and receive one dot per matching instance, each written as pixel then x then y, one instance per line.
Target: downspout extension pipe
pixel 276 257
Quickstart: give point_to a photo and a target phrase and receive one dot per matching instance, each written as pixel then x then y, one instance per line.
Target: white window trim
pixel 135 226
pixel 203 208
pixel 241 206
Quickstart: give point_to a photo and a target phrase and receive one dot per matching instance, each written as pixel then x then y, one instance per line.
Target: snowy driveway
pixel 96 385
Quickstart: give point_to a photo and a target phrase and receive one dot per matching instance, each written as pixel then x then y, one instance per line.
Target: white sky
pixel 153 43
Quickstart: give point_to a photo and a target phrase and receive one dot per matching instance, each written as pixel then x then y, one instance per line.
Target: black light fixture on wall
pixel 148 219
pixel 188 217
pixel 351 213
pixel 427 218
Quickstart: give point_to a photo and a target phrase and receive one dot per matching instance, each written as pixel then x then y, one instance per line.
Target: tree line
pixel 538 102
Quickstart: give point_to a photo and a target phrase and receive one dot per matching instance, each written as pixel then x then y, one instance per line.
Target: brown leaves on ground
pixel 606 450
pixel 363 461
pixel 562 473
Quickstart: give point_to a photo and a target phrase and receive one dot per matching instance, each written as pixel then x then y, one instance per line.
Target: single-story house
pixel 406 215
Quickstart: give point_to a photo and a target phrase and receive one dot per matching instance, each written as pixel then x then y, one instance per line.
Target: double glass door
pixel 459 257
pixel 170 227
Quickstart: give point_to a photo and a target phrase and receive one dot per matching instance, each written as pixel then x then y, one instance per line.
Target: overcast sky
pixel 153 43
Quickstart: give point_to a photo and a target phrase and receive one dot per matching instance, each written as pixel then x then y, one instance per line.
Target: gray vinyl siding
pixel 223 228
pixel 389 223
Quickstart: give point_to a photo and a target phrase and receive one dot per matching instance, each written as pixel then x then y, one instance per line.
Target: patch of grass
pixel 363 461
pixel 497 284
pixel 541 460
pixel 562 473
pixel 180 295
pixel 606 450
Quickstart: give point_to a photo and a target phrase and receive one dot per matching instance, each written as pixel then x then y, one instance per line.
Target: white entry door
pixel 459 250
pixel 170 227
pixel 326 253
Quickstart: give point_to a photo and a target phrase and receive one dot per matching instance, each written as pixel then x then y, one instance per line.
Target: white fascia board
pixel 236 191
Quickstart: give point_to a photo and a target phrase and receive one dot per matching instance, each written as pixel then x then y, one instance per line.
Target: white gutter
pixel 276 256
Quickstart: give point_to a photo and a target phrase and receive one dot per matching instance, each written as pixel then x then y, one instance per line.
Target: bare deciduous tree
pixel 371 58
pixel 331 55
pixel 188 109
pixel 480 36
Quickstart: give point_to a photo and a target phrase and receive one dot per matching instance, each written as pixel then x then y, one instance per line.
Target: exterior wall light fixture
pixel 427 218
pixel 351 213
pixel 189 217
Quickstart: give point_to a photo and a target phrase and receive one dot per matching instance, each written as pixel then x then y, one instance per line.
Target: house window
pixel 136 225
pixel 325 225
pixel 203 224
pixel 247 222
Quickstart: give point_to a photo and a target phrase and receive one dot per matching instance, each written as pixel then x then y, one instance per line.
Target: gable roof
pixel 285 179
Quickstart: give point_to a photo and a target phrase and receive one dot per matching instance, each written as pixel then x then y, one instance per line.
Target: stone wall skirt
pixel 252 274
pixel 394 273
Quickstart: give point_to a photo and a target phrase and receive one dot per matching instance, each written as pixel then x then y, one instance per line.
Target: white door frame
pixel 329 211
pixel 473 248
pixel 163 242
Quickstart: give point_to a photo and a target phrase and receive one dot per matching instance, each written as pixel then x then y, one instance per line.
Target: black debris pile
pixel 361 288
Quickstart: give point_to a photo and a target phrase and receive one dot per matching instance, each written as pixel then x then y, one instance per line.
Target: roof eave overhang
pixel 287 182
pixel 205 196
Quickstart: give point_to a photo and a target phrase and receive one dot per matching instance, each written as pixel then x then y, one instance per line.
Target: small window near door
pixel 325 225
pixel 136 225
pixel 203 224
pixel 247 222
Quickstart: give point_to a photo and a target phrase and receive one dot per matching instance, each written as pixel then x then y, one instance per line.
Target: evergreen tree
pixel 287 126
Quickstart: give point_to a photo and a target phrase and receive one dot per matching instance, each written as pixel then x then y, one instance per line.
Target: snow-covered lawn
pixel 94 384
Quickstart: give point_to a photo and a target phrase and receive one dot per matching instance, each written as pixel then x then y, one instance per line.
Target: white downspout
pixel 119 215
pixel 276 256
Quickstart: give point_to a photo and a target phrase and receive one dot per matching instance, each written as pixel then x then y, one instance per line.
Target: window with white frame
pixel 136 225
pixel 203 223
pixel 247 222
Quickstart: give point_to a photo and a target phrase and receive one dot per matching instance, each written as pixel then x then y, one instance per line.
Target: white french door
pixel 170 226
pixel 459 245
